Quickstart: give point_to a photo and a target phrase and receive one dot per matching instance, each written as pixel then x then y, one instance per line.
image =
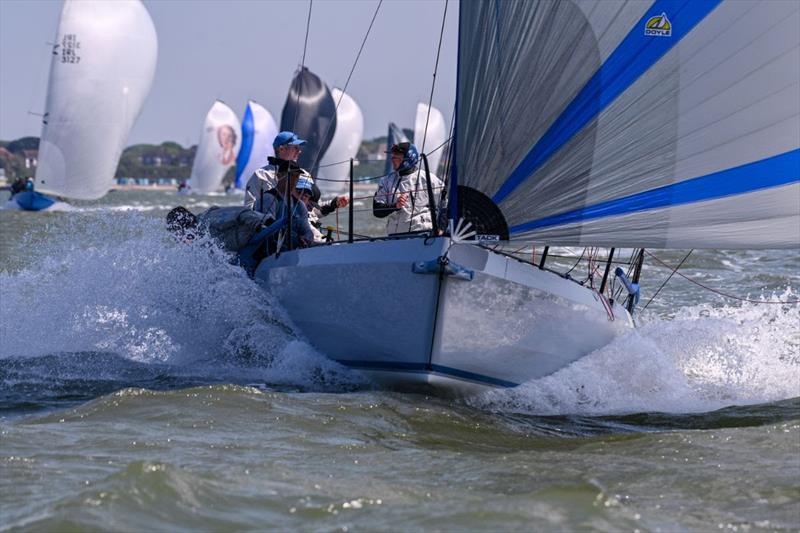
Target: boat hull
pixel 367 306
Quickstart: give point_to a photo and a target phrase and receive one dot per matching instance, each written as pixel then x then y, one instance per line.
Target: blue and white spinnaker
pixel 258 131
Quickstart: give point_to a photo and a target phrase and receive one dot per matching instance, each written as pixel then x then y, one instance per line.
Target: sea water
pixel 147 385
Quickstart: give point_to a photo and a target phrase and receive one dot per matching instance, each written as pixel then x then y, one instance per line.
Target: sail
pixel 258 131
pixel 310 112
pixel 430 139
pixel 666 124
pixel 344 145
pixel 102 68
pixel 395 136
pixel 217 149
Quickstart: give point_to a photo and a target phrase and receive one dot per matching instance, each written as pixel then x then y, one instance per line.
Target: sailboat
pixel 666 124
pixel 217 149
pixel 258 131
pixel 430 133
pixel 102 69
pixel 334 171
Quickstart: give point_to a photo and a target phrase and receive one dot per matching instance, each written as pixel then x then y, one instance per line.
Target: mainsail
pixel 395 136
pixel 666 124
pixel 430 133
pixel 310 112
pixel 102 68
pixel 344 144
pixel 216 152
pixel 258 131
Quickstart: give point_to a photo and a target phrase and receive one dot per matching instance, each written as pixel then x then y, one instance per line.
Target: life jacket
pixel 232 227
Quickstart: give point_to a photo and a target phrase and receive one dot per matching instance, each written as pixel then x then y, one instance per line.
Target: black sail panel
pixel 310 112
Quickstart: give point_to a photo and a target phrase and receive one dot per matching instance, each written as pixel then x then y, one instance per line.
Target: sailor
pixel 275 205
pixel 402 195
pixel 288 147
pixel 17 186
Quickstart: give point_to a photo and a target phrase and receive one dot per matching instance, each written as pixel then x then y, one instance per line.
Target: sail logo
pixel 658 26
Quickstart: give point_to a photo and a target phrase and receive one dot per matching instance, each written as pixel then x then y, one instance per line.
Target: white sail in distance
pixel 258 131
pixel 430 141
pixel 216 152
pixel 665 124
pixel 102 69
pixel 344 145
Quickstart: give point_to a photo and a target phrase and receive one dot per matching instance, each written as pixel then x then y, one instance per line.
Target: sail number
pixel 70 46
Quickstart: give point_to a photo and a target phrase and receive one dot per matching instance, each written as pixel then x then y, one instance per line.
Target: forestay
pixel 665 124
pixel 258 131
pixel 102 68
pixel 217 150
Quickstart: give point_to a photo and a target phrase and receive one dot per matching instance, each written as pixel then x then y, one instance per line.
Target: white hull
pixel 362 305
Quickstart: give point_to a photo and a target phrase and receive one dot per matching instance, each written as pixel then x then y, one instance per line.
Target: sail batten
pixel 616 123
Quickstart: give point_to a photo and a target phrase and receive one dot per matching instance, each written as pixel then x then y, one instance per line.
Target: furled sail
pixel 310 112
pixel 430 139
pixel 258 131
pixel 102 68
pixel 333 174
pixel 666 124
pixel 395 136
pixel 217 149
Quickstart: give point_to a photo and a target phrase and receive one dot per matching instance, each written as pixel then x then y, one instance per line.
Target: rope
pixel 302 63
pixel 720 293
pixel 350 75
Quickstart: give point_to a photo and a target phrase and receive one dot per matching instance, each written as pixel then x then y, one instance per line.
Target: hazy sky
pixel 237 50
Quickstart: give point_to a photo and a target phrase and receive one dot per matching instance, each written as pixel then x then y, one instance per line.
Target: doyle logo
pixel 658 26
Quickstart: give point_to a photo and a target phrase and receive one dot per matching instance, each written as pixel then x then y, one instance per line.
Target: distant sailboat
pixel 101 72
pixel 332 177
pixel 310 112
pixel 430 133
pixel 216 152
pixel 258 131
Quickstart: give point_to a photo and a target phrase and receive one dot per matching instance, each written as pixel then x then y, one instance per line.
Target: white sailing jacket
pixel 415 215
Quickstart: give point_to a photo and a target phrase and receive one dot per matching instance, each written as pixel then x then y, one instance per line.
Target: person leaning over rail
pixel 288 147
pixel 275 204
pixel 402 195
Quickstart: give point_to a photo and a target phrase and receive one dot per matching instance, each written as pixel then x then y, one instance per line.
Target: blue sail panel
pixel 248 134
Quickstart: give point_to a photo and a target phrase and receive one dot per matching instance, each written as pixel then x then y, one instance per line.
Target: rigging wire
pixel 668 278
pixel 302 63
pixel 350 75
pixel 433 83
pixel 720 293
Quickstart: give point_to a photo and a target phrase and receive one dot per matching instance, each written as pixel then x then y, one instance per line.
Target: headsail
pixel 665 124
pixel 344 145
pixel 310 112
pixel 217 149
pixel 258 131
pixel 101 72
pixel 430 140
pixel 395 136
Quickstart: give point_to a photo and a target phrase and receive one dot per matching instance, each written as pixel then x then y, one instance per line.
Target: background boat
pixel 216 152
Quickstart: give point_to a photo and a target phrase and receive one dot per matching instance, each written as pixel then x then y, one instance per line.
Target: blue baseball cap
pixel 304 183
pixel 287 137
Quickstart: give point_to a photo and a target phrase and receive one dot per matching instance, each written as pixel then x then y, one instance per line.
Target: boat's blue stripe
pixel 632 58
pixel 391 366
pixel 775 171
pixel 248 135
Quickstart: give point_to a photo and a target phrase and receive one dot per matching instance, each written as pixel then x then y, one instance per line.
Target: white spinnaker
pixel 432 139
pixel 217 150
pixel 344 145
pixel 102 68
pixel 687 137
pixel 264 131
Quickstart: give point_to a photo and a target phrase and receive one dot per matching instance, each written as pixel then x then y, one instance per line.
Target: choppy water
pixel 150 386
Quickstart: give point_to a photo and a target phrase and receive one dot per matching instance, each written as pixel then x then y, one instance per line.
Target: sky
pixel 237 50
